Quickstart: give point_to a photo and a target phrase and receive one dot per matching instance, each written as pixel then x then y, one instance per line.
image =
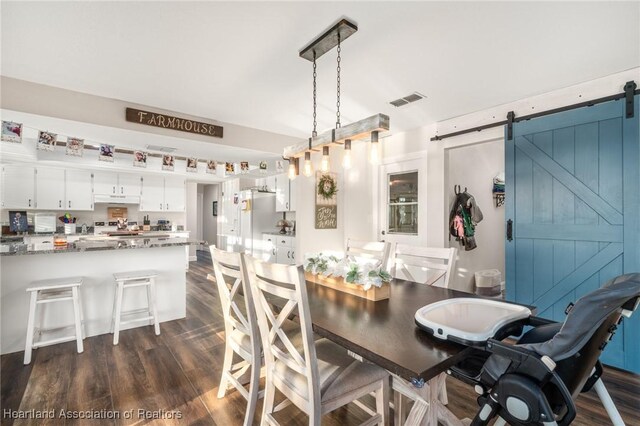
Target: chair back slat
pixel 233 295
pixel 419 263
pixel 271 284
pixel 377 250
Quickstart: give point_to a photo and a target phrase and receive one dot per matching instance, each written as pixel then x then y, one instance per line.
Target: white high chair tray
pixel 468 319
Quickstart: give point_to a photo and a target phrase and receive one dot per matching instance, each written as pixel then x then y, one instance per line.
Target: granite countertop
pixel 288 234
pixel 96 244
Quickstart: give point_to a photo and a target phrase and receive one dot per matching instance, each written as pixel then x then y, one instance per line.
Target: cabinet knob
pixel 114 189
pixel 59 203
pixel 29 202
pixel 69 204
pixel 160 206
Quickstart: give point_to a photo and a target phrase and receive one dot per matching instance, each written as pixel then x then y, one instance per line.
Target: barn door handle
pixel 510 230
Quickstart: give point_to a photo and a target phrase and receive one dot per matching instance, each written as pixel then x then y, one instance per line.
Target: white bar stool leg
pixel 84 332
pixel 156 322
pixel 77 316
pixel 28 348
pixel 118 305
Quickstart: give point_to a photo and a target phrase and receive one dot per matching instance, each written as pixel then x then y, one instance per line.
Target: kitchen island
pixel 96 259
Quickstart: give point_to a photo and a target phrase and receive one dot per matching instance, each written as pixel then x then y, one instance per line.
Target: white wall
pixel 473 167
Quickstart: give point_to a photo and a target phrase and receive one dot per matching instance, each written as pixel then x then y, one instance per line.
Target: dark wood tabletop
pixel 384 332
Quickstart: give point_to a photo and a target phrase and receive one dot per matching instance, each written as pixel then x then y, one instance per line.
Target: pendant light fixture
pixel 308 167
pixel 324 164
pixel 293 168
pixel 346 158
pixel 360 130
pixel 374 151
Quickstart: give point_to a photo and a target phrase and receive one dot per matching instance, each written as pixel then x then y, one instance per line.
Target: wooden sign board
pixel 174 123
pixel 326 217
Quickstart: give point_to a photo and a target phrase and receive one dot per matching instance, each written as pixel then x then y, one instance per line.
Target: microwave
pixel 44 223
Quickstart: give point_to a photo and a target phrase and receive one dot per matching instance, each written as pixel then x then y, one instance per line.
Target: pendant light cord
pixel 338 86
pixel 315 74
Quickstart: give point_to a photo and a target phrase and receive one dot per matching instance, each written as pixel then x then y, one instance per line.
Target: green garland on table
pixel 327 187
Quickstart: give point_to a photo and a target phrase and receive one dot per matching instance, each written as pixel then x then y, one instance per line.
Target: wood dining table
pixel 384 333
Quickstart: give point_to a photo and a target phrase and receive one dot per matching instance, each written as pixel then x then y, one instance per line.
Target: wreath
pixel 327 187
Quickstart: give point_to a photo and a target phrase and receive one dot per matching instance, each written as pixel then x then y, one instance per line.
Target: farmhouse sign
pixel 175 123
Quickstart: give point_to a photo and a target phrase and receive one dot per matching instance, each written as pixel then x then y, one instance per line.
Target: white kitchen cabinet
pixel 174 194
pixel 18 186
pixel 269 243
pixel 152 198
pixel 49 188
pixel 105 183
pixel 283 203
pixel 129 184
pixel 293 194
pixel 78 190
pixel 285 249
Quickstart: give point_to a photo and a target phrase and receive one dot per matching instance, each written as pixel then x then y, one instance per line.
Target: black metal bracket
pixel 510 116
pixel 629 89
pixel 342 30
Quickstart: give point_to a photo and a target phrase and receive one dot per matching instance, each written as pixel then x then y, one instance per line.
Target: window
pixel 403 203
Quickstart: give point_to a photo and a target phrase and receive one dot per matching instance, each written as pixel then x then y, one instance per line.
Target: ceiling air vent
pixel 415 96
pixel 160 148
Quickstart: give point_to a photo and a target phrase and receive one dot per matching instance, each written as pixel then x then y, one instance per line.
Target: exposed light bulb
pixel 374 153
pixel 324 164
pixel 346 158
pixel 308 167
pixel 292 168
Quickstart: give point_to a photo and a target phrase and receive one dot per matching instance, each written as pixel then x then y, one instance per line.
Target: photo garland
pixel 139 159
pixel 47 141
pixel 74 147
pixel 106 152
pixel 11 132
pixel 192 165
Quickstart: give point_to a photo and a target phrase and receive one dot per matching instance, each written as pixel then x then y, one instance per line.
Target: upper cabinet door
pixel 282 193
pixel 18 187
pixel 105 183
pixel 152 199
pixel 293 194
pixel 79 190
pixel 129 184
pixel 174 194
pixel 49 188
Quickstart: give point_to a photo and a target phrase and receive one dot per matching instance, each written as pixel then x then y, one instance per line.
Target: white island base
pixel 97 291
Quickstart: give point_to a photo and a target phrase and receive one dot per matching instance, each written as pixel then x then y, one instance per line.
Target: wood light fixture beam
pixel 355 131
pixel 327 41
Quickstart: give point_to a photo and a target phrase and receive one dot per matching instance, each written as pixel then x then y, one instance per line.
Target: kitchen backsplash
pixel 100 214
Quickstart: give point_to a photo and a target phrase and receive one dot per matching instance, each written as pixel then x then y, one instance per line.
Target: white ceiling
pixel 238 62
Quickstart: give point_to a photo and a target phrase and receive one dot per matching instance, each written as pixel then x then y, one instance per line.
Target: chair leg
pixel 382 402
pixel 156 322
pixel 254 390
pixel 399 408
pixel 269 401
pixel 226 369
pixel 118 302
pixel 28 347
pixel 78 321
pixel 442 392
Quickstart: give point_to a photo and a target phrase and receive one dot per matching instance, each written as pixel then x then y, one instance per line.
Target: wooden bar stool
pixel 125 280
pixel 51 291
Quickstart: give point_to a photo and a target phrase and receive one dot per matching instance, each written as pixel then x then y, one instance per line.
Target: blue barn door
pixel 573 193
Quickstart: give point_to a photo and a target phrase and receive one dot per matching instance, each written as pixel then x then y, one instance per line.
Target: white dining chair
pixel 369 250
pixel 319 376
pixel 241 330
pixel 429 266
pixel 426 265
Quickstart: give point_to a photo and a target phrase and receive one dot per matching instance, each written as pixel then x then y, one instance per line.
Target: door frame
pixel 420 158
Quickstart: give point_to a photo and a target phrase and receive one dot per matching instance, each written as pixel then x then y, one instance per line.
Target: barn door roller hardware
pixel 510 116
pixel 629 90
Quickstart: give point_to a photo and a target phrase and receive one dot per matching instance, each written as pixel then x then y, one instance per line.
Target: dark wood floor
pixel 179 371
